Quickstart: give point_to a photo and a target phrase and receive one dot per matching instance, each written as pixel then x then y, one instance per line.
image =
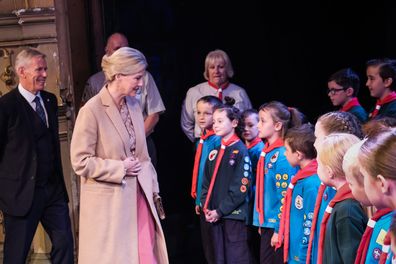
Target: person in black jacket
pixel 32 187
pixel 225 187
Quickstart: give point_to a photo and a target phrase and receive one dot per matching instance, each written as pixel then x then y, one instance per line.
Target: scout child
pixel 225 189
pixel 344 220
pixel 207 142
pixel 273 175
pixel 300 197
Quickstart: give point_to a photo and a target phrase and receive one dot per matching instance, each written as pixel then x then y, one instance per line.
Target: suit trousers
pixel 53 215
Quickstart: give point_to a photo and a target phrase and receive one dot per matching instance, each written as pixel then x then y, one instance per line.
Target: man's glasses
pixel 333 91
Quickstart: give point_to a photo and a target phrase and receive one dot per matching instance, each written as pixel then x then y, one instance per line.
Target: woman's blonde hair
pixel 378 154
pixel 334 147
pixel 124 61
pixel 216 55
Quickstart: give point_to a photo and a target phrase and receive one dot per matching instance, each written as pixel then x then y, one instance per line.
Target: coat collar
pixel 114 115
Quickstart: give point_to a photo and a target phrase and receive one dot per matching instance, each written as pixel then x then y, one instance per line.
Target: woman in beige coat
pixel 118 219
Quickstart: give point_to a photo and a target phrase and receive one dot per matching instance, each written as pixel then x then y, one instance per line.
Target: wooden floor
pixel 32 258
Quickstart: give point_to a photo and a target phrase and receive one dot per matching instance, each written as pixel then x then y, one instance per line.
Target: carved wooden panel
pixel 7 6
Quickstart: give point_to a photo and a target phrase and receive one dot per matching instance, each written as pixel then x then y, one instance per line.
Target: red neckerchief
pixel 342 194
pixel 385 249
pixel 365 242
pixel 224 144
pixel 389 98
pixel 197 160
pixel 254 142
pixel 219 88
pixel 348 106
pixel 284 229
pixel 260 177
pixel 318 202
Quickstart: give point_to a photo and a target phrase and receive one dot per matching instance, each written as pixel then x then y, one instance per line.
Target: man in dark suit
pixel 32 188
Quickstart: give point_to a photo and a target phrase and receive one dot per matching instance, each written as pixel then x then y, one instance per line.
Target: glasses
pixel 333 91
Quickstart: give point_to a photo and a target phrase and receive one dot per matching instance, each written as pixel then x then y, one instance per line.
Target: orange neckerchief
pixel 197 160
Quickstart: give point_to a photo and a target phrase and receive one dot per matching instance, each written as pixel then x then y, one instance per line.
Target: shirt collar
pixel 26 94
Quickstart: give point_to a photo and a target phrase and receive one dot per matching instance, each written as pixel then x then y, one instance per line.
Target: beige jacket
pixel 108 221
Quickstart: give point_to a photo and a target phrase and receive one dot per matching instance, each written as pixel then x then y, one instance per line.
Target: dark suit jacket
pixel 18 158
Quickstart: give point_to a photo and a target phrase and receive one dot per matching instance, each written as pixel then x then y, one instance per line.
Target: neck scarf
pixel 219 88
pixel 254 142
pixel 348 106
pixel 260 177
pixel 318 202
pixel 197 160
pixel 389 98
pixel 342 194
pixel 224 144
pixel 385 249
pixel 365 242
pixel 284 230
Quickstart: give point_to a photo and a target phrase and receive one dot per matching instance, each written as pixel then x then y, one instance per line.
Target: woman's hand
pixel 132 166
pixel 274 239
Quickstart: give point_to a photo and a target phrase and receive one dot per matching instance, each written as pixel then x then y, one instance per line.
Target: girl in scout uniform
pixel 344 220
pixel 370 247
pixel 225 187
pixel 273 175
pixel 377 158
pixel 207 142
pixel 331 122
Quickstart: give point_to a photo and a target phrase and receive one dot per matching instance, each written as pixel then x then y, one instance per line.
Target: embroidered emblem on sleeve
pixel 298 202
pixel 213 154
pixel 377 253
pixel 274 157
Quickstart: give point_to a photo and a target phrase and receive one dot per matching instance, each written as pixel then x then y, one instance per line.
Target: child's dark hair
pixel 376 126
pixel 387 69
pixel 346 78
pixel 210 99
pixel 249 112
pixel 288 116
pixel 302 138
pixel 232 113
pixel 341 122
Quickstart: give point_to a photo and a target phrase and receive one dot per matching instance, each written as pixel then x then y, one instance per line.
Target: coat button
pixel 32 178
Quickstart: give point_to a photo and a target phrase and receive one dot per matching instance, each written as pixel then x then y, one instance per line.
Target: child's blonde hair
pixel 333 150
pixel 351 165
pixel 340 122
pixel 378 154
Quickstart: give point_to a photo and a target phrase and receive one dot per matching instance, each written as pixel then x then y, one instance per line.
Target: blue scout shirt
pixel 377 239
pixel 328 194
pixel 278 173
pixel 209 144
pixel 301 212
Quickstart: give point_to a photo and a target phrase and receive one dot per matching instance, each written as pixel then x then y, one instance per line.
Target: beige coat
pixel 108 217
